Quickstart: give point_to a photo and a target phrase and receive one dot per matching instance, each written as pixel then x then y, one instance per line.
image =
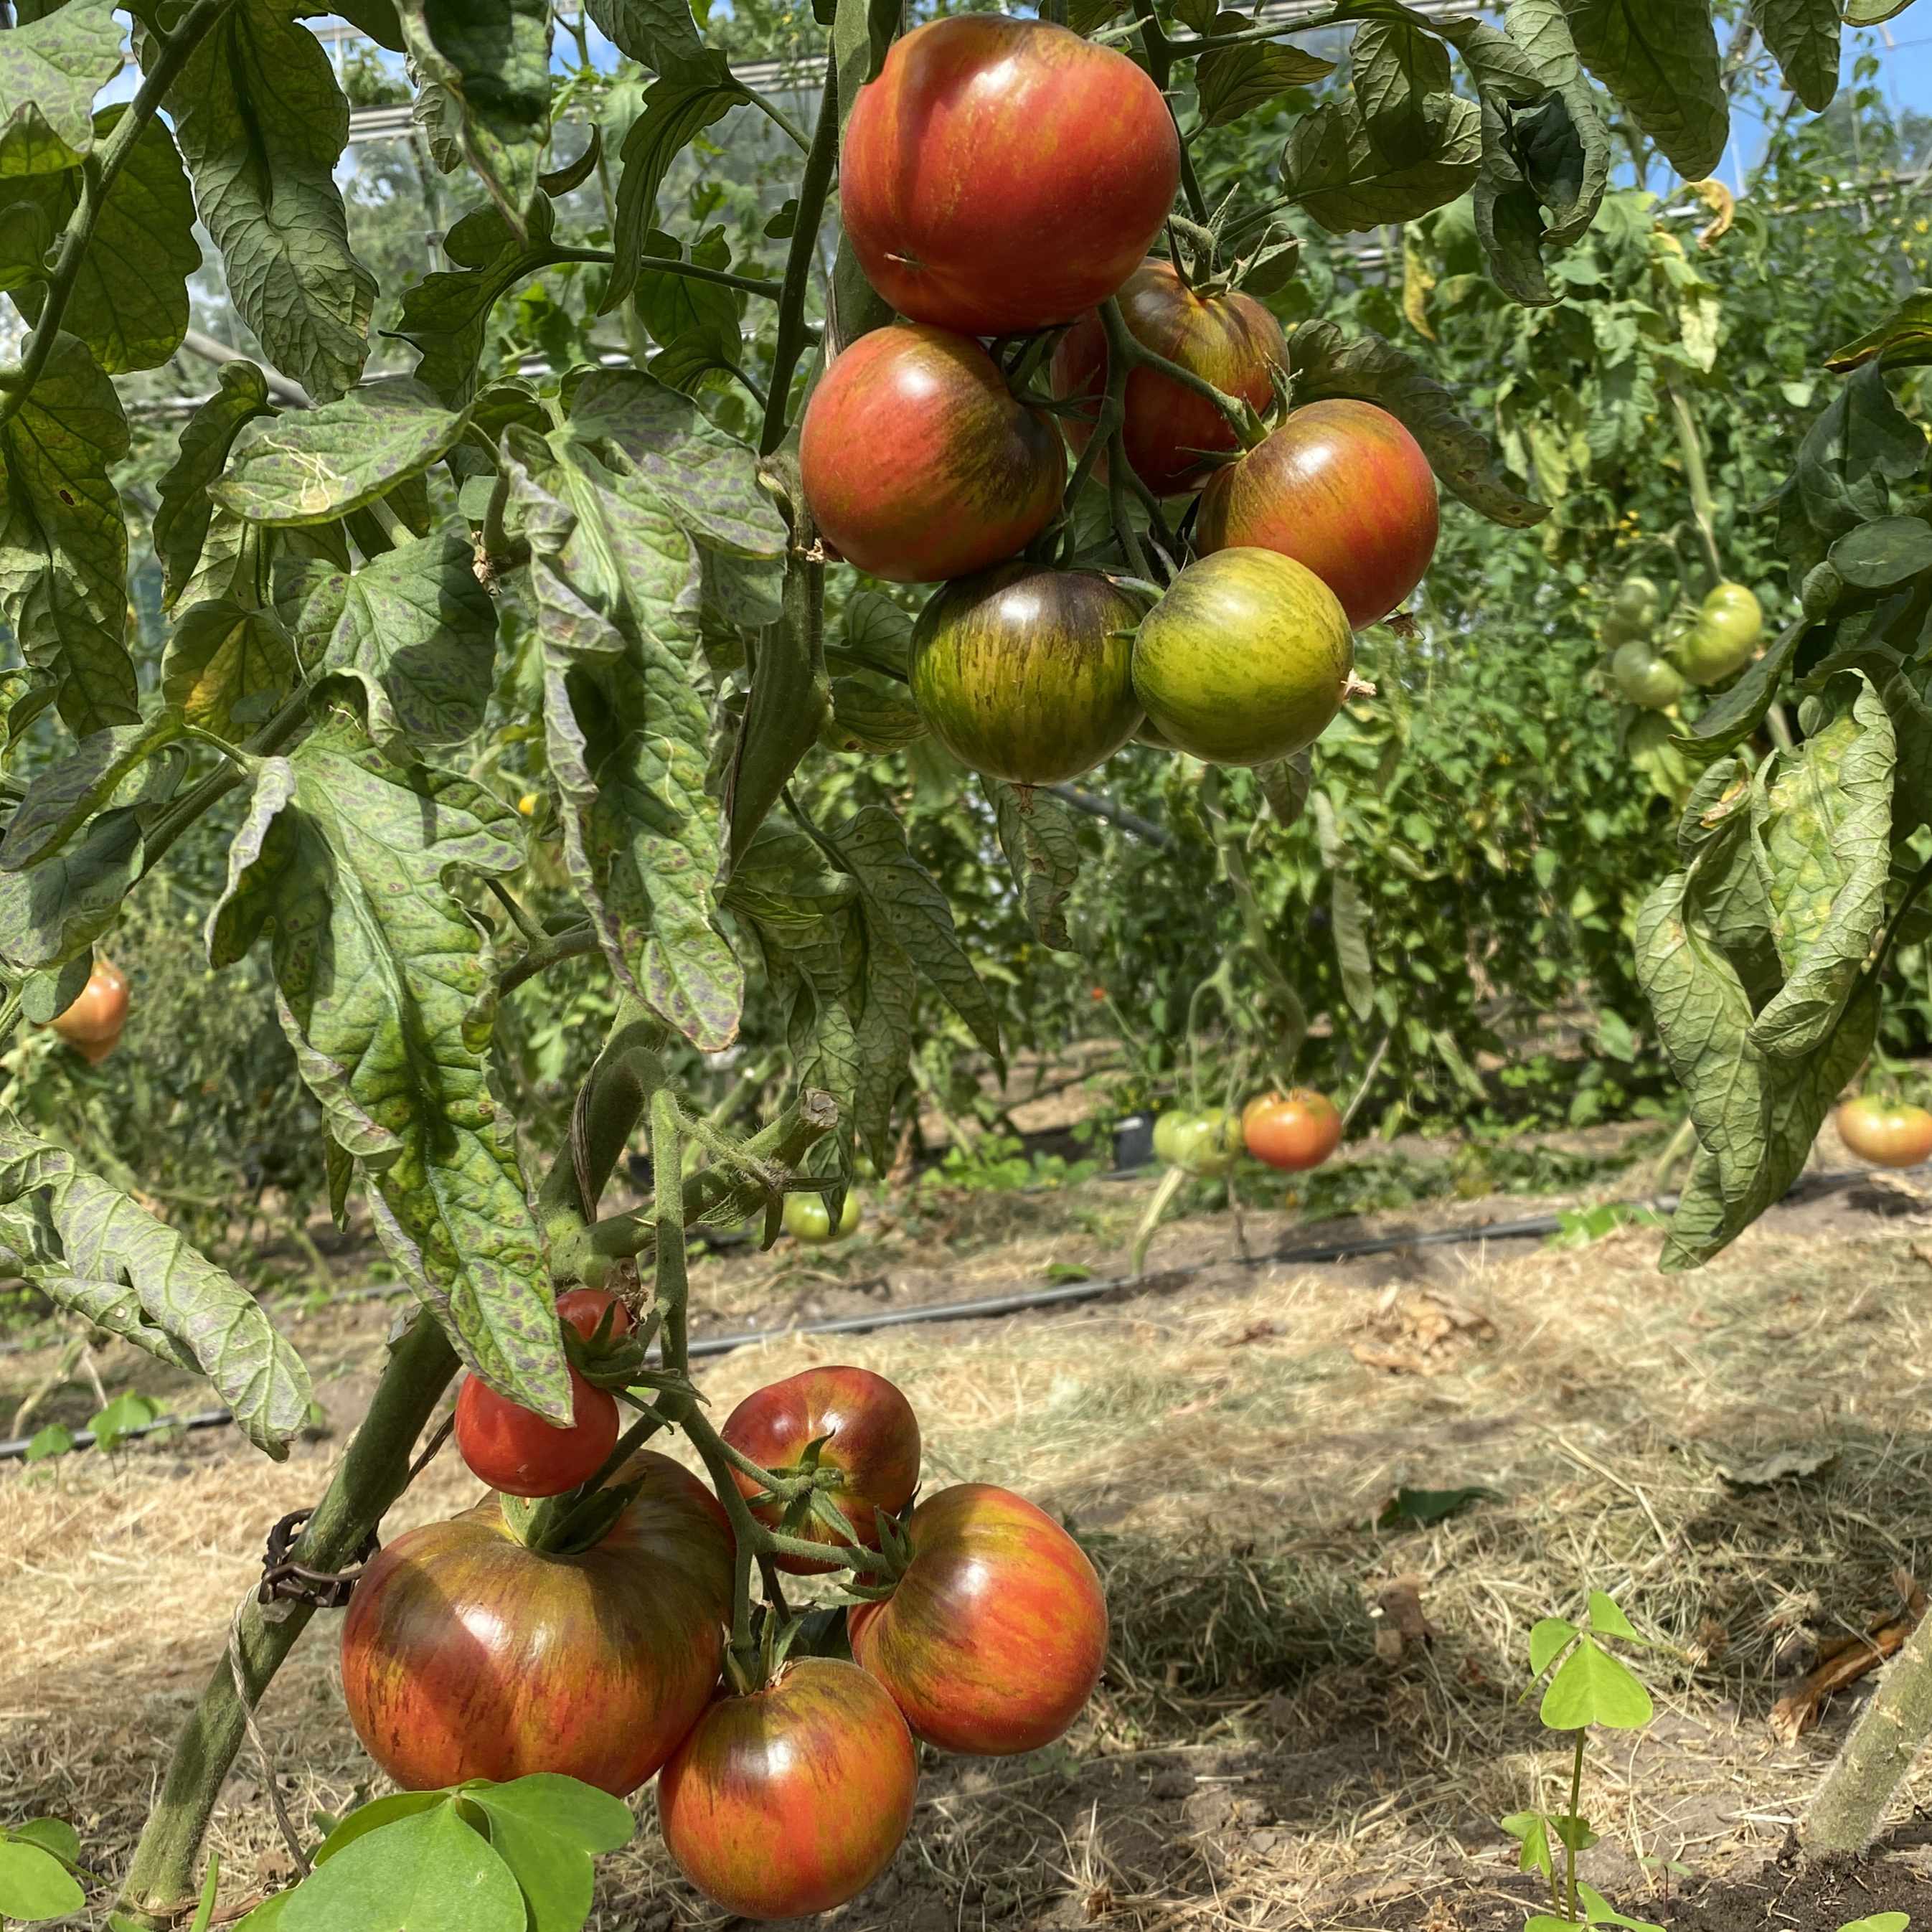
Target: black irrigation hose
pixel 987 1306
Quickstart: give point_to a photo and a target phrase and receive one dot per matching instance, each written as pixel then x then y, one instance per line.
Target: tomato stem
pixel 820 160
pixel 1122 342
pixel 1160 65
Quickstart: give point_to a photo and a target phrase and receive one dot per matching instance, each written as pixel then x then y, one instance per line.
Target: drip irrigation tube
pixel 989 1306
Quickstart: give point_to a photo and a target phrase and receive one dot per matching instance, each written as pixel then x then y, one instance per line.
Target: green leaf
pixel 1607 1619
pixel 1659 58
pixel 1880 1922
pixel 50 70
pixel 491 59
pixel 1335 168
pixel 26 234
pixel 1230 81
pixel 707 480
pixel 1826 849
pixel 1594 1687
pixel 1729 720
pixel 784 879
pixel 1598 1910
pixel 33 1884
pixel 417 630
pixel 1037 835
pixel 88 1247
pixel 120 1419
pixel 1547 1637
pixel 656 34
pixel 1857 446
pixel 63 541
pixel 1803 38
pixel 1875 555
pixel 909 905
pixel 615 579
pixel 1428 1506
pixel 111 767
pixel 1873 13
pixel 315 466
pixel 1350 922
pixel 678 107
pixel 1400 72
pixel 130 299
pixel 447 315
pixel 265 184
pixel 373 1816
pixel 427 1872
pixel 52 1834
pixel 54 1440
pixel 873 715
pixel 548 1829
pixel 1904 338
pixel 1327 363
pixel 57 909
pixel 862 30
pixel 227 668
pixel 703 322
pixel 1531 1830
pixel 882 999
pixel 386 997
pixel 181 521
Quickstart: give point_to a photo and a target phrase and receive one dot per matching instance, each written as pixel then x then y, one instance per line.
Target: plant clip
pixel 323 1589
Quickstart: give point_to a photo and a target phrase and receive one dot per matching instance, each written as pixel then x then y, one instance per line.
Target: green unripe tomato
pixel 806 1219
pixel 1207 1143
pixel 1637 602
pixel 1168 1131
pixel 1643 678
pixel 1618 631
pixel 1730 622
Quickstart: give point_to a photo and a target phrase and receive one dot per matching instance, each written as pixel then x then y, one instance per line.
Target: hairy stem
pixel 372 1474
pixel 572 943
pixel 1851 1805
pixel 1123 345
pixel 820 161
pixel 1160 65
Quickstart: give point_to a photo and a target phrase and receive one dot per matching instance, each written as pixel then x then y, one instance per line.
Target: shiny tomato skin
pixel 919 463
pixel 1230 339
pixel 1888 1133
pixel 993 1638
pixel 872 1439
pixel 1002 175
pixel 583 1309
pixel 517 1452
pixel 92 1024
pixel 1294 1131
pixel 1341 486
pixel 793 1799
pixel 465 1655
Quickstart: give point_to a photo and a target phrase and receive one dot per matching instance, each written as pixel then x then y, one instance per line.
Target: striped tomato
pixel 919 464
pixel 793 1799
pixel 993 1639
pixel 467 1654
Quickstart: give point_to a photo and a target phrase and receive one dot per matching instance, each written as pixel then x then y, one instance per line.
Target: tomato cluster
pixel 1653 657
pixel 467 1652
pixel 1294 1132
pixel 1004 178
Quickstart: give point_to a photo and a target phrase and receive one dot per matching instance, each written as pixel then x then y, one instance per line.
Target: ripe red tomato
pixel 1296 1131
pixel 515 1450
pixel 466 1655
pixel 920 464
pixel 1229 339
pixel 1342 486
pixel 1888 1133
pixel 872 1437
pixel 583 1308
pixel 1026 673
pixel 1002 176
pixel 92 1025
pixel 992 1641
pixel 793 1799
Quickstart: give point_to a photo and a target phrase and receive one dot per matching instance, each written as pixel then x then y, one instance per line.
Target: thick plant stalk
pixel 161 1877
pixel 1851 1804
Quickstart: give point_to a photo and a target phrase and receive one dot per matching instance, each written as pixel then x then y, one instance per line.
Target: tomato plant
pixel 519 1453
pixel 792 1798
pixel 467 1654
pixel 851 1424
pixel 993 1639
pixel 808 1219
pixel 1341 486
pixel 1295 1131
pixel 918 462
pixel 965 158
pixel 1172 434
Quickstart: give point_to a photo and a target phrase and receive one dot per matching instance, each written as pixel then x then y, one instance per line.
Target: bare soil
pixel 1255 1757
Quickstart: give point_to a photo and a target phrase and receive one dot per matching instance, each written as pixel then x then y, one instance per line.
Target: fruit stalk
pixel 373 1473
pixel 1122 345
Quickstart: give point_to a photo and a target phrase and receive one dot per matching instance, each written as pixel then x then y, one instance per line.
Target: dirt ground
pixel 1224 1447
